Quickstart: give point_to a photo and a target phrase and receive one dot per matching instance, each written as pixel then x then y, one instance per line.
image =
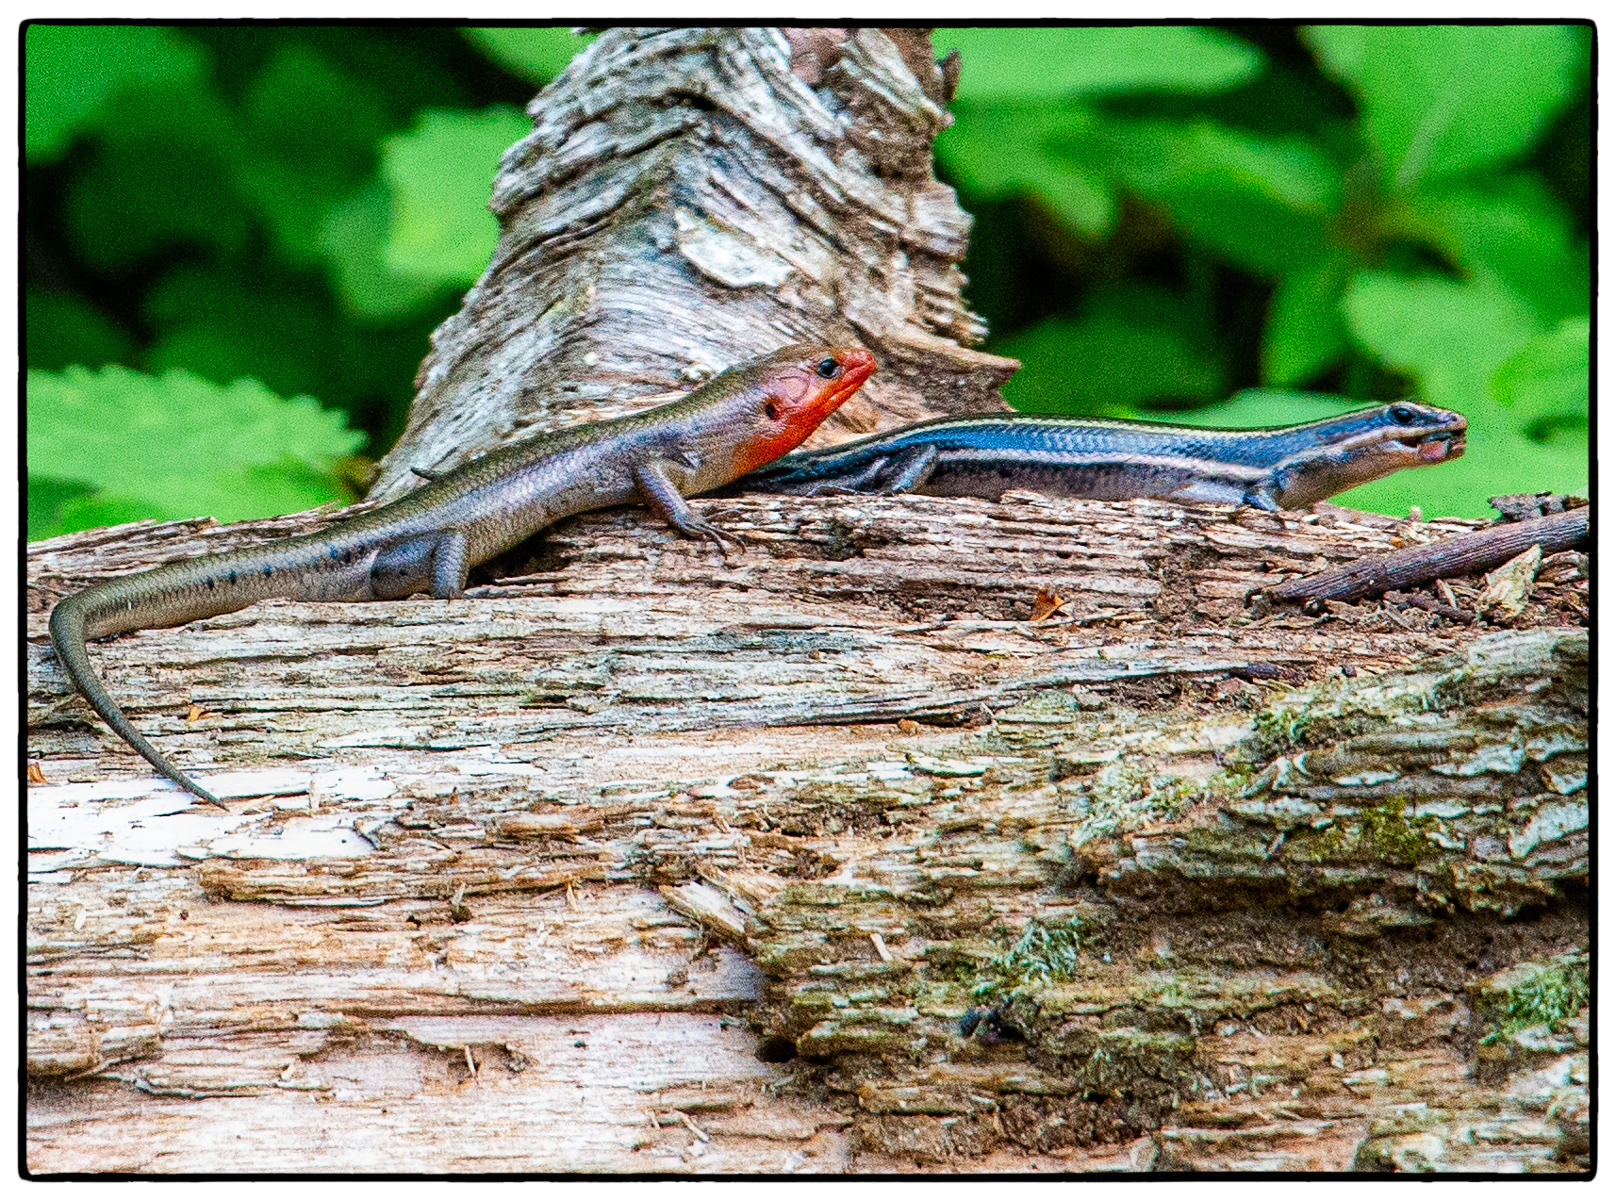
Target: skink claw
pixel 721 538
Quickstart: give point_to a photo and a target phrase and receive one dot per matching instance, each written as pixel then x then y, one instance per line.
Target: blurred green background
pixel 237 239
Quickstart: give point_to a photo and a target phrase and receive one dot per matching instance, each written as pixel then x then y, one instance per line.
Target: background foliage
pixel 1167 215
pixel 224 221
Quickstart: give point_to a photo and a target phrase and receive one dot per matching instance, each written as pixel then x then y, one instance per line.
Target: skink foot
pixel 721 538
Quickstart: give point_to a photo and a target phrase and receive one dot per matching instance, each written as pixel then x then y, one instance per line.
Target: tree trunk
pixel 828 856
pixel 687 200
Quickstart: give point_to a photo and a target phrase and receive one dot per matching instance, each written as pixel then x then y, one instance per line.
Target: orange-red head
pixel 794 389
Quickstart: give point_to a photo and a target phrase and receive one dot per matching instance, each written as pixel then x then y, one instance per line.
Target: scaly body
pixel 987 454
pixel 426 541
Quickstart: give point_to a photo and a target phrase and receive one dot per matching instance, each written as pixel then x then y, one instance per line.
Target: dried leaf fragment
pixel 1045 604
pixel 1504 595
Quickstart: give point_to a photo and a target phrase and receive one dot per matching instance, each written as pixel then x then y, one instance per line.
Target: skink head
pixel 1425 434
pixel 1366 445
pixel 785 396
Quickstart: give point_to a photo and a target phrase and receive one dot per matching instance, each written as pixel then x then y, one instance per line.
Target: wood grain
pixel 476 825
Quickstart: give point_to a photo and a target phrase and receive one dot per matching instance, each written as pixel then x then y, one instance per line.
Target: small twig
pixel 1462 555
pixel 692 1126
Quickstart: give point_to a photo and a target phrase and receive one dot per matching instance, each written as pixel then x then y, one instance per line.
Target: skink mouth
pixel 1441 439
pixel 1441 447
pixel 1433 447
pixel 856 368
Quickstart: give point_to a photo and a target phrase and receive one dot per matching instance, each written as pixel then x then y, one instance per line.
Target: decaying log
pixel 533 879
pixel 827 856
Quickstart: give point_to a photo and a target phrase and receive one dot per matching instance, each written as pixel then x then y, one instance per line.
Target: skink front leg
pixel 662 498
pixel 865 480
pixel 1263 496
pixel 910 469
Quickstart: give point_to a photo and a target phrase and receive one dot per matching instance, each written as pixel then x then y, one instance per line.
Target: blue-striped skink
pixel 990 453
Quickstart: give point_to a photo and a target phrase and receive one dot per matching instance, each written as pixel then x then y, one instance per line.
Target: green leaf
pixel 194 115
pixel 1515 231
pixel 353 241
pixel 1563 454
pixel 997 150
pixel 1132 344
pixel 1452 336
pixel 101 510
pixel 46 496
pixel 1262 202
pixel 537 55
pixel 441 174
pixel 73 72
pixel 1305 331
pixel 225 324
pixel 1546 381
pixel 64 328
pixel 133 201
pixel 1443 99
pixel 1161 157
pixel 1011 64
pixel 1248 230
pixel 183 446
pixel 302 106
pixel 309 142
pixel 229 321
pixel 157 184
pixel 1258 408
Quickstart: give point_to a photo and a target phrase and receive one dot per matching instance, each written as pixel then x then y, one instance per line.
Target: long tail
pixel 67 628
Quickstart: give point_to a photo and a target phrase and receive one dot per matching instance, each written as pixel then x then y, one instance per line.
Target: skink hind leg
pixel 433 562
pixel 866 480
pixel 662 498
pixel 449 566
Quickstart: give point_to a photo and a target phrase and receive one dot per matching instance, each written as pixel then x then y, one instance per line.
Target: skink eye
pixel 829 368
pixel 1402 414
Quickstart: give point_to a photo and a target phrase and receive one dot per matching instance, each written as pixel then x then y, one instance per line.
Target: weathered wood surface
pixel 631 816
